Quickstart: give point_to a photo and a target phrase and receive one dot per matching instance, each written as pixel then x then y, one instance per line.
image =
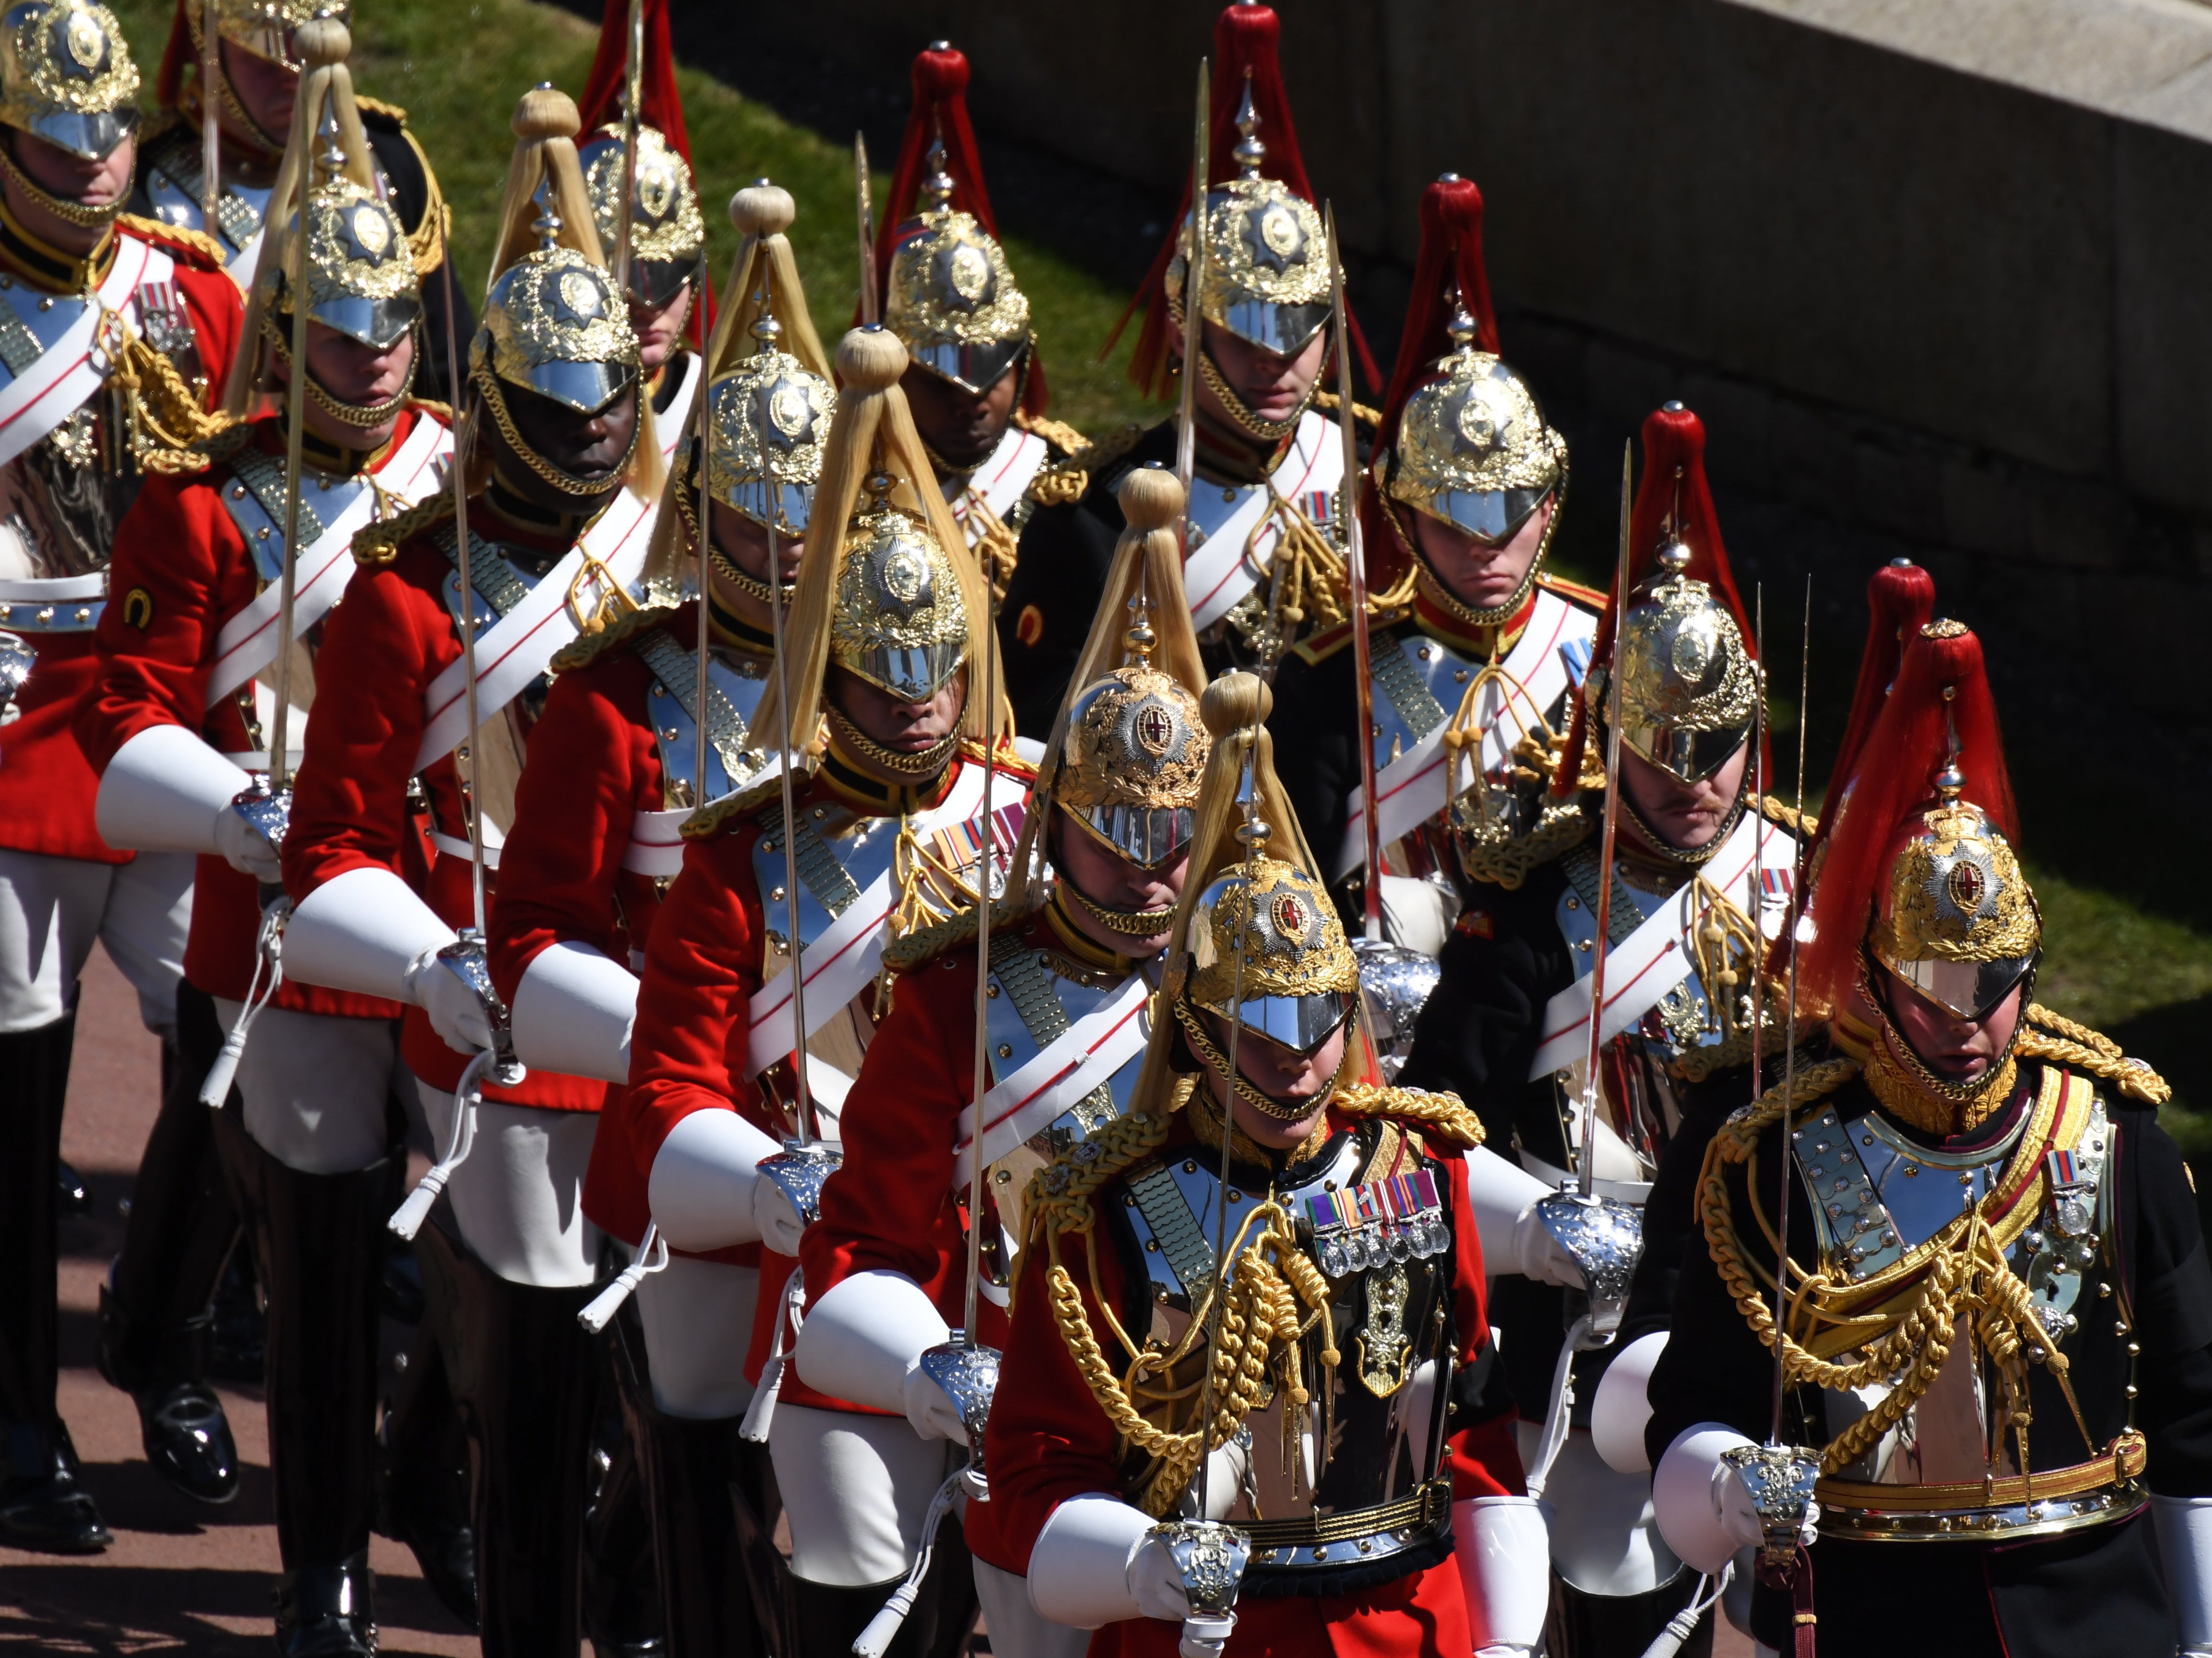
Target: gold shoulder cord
pixel 1898 1328
pixel 1274 1297
pixel 376 545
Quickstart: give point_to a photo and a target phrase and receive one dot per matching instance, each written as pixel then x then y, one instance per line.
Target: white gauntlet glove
pixel 780 1225
pixel 246 849
pixel 458 1011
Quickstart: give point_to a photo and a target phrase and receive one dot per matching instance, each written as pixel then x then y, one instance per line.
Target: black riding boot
pixel 1597 1625
pixel 522 1372
pixel 320 1250
pixel 425 1477
pixel 721 1578
pixel 621 1594
pixel 156 1325
pixel 42 1506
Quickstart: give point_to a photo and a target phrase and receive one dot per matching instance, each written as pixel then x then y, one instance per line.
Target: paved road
pixel 180 1578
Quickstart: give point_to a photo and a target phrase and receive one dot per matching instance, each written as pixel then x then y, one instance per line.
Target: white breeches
pixel 854 1489
pixel 698 1319
pixel 52 908
pixel 1017 1628
pixel 317 1086
pixel 518 1195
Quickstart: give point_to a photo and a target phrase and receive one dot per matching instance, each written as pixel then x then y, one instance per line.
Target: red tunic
pixel 688 1050
pixel 47 786
pixel 382 647
pixel 181 545
pixel 1049 1441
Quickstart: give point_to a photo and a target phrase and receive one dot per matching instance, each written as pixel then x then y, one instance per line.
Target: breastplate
pixel 61 499
pixel 1034 996
pixel 735 684
pixel 255 501
pixel 839 855
pixel 1382 1237
pixel 174 186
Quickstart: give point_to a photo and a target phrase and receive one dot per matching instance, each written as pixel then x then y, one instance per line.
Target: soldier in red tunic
pixel 112 329
pixel 615 767
pixel 1298 1460
pixel 886 644
pixel 1074 958
pixel 555 368
pixel 171 726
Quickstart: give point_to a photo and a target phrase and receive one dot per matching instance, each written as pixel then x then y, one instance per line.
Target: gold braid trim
pixel 169 430
pixel 1444 1113
pixel 376 545
pixel 2055 1038
pixel 1328 403
pixel 1062 483
pixel 912 949
pixel 1803 825
pixel 197 242
pixel 1965 1275
pixel 1057 433
pixel 589 648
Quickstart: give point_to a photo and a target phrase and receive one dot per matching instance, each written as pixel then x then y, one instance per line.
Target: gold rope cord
pixel 1273 1298
pixel 169 429
pixel 1304 578
pixel 996 542
pixel 1964 1274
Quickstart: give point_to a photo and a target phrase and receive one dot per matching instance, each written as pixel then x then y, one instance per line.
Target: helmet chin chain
pixel 856 741
pixel 568 484
pixel 61 207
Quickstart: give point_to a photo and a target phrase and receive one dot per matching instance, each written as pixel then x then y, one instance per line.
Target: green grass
pixel 458 68
pixel 459 65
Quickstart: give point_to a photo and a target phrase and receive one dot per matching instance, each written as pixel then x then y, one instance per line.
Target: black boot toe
pixel 327 1611
pixel 43 1506
pixel 188 1442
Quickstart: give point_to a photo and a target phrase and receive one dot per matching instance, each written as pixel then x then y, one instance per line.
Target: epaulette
pixel 206 252
pixel 925 945
pixel 1591 598
pixel 1009 764
pixel 1057 433
pixel 1328 403
pixel 1329 640
pixel 375 545
pixel 2068 1041
pixel 390 113
pixel 589 647
pixel 1443 1114
pixel 740 804
pixel 1063 482
pixel 1802 824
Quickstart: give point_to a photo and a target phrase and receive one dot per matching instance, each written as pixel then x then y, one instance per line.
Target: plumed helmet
pixel 952 296
pixel 1267 261
pixel 772 406
pixel 66 76
pixel 1473 448
pixel 267 28
pixel 1299 980
pixel 1136 752
pixel 667 231
pixel 898 619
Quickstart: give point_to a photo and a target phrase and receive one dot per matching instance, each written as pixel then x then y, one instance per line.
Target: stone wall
pixel 1933 270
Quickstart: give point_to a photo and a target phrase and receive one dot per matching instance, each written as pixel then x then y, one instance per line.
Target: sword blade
pixel 871 310
pixel 1193 285
pixel 1347 505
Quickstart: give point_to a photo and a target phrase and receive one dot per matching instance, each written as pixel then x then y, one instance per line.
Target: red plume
pixel 939 111
pixel 661 108
pixel 1245 37
pixel 1449 274
pixel 169 80
pixel 1894 782
pixel 1674 483
pixel 1900 598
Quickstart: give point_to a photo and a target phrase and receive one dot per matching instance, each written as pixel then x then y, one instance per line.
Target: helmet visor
pixel 912 673
pixel 1300 1024
pixel 378 324
pixel 93 136
pixel 1690 756
pixel 1148 836
pixel 655 283
pixel 1281 329
pixel 586 387
pixel 1492 517
pixel 974 368
pixel 791 504
pixel 1969 989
